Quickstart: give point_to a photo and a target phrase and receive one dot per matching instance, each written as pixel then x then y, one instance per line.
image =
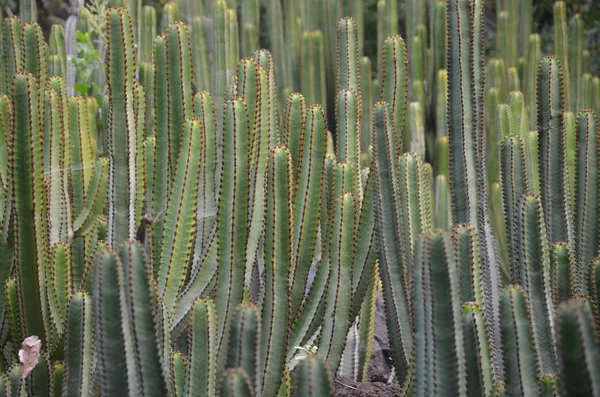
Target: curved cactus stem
pixel 180 219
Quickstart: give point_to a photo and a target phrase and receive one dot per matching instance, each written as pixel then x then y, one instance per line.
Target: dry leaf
pixel 29 354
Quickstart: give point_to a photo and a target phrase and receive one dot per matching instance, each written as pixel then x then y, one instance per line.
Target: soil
pixel 349 388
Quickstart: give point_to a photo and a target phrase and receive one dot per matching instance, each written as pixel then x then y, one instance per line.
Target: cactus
pixel 579 355
pixel 238 191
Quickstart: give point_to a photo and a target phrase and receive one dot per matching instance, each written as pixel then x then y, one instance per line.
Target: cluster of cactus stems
pixel 202 226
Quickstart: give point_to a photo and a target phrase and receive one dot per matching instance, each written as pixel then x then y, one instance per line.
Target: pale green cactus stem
pixel 392 269
pixel 311 377
pixel 442 213
pixel 520 116
pixel 35 53
pixel 532 160
pixel 122 131
pixel 338 304
pixel 348 117
pixel 244 340
pixel 201 374
pixel 180 223
pixel 549 386
pixel 468 262
pixel 394 85
pixel 348 69
pixel 440 366
pixel 366 92
pixel 437 45
pixel 232 218
pixel 537 280
pixel 414 137
pixel 311 200
pixel 575 47
pixel 587 92
pixel 506 45
pixel 28 10
pixel 235 383
pixel 279 237
pixel 170 14
pixel 579 350
pixel 498 77
pixel 441 104
pixel 514 82
pixel 520 356
pixel 200 55
pixel 148 33
pixel 12 43
pixel 534 55
pixel 312 69
pixel 294 117
pixel 561 47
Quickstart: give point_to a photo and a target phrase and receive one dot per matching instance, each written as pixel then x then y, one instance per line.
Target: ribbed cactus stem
pixel 551 100
pixel 312 378
pixel 520 356
pixel 579 350
pixel 561 45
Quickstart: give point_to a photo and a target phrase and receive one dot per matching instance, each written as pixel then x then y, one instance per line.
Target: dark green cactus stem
pixel 367 92
pixel 394 85
pixel 477 352
pixel 26 168
pixel 537 280
pixel 122 134
pixel 294 117
pixel 514 184
pixel 112 368
pixel 79 346
pixel 200 374
pixel 348 115
pixel 35 53
pixel 235 383
pixel 311 377
pixel 468 260
pixel 588 192
pixel 440 366
pixel 244 338
pixel 549 386
pixel 551 101
pixel 579 350
pixel 392 270
pixel 520 356
pixel 564 273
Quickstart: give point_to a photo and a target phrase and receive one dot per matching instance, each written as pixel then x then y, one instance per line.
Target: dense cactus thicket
pixel 183 213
